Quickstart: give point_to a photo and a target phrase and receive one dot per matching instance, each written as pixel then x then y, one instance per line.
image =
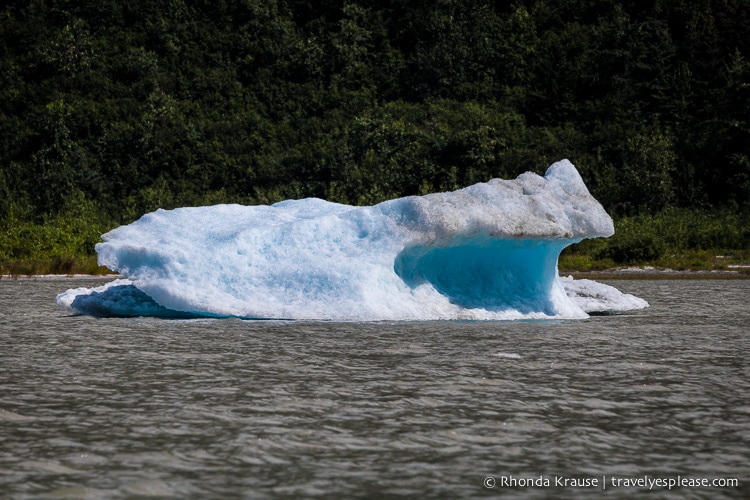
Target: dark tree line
pixel 126 106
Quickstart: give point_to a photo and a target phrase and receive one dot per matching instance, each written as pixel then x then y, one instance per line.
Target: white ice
pixel 488 251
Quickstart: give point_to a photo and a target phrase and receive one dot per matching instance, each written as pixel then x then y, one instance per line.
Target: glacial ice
pixel 488 252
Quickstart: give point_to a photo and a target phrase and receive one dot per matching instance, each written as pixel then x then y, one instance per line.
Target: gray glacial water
pixel 224 408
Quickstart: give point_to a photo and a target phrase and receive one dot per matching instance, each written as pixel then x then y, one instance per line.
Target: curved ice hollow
pixel 488 251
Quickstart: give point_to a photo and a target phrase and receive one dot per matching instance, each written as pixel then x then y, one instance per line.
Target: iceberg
pixel 485 252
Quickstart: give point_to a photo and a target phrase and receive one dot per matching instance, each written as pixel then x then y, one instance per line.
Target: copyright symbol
pixel 489 482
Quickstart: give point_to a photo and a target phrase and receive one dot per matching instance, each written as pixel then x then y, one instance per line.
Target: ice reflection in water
pixel 196 408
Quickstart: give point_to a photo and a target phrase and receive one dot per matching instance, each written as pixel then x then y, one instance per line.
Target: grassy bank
pixel 59 265
pixel 682 240
pixel 688 260
pixel 678 239
pixel 63 244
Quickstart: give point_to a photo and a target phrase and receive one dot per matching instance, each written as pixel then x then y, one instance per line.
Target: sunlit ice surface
pixel 485 252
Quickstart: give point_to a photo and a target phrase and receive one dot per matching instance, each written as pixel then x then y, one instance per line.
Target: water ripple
pixel 118 408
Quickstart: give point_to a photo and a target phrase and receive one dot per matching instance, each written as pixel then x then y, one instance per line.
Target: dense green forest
pixel 113 108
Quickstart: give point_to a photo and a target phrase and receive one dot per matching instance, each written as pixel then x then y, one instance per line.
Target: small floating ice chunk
pixel 508 355
pixel 488 252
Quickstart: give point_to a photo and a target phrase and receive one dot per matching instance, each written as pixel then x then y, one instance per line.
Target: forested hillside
pixel 110 109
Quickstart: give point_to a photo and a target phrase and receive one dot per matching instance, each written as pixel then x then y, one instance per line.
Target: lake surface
pixel 124 408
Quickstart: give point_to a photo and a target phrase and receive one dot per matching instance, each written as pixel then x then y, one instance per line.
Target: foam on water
pixel 488 251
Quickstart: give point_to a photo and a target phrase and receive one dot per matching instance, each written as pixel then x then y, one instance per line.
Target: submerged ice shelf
pixel 488 251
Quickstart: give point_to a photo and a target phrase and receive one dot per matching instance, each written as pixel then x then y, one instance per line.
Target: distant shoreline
pixel 638 273
pixel 631 273
pixel 58 276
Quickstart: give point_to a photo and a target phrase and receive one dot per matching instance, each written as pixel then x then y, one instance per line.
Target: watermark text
pixel 604 482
